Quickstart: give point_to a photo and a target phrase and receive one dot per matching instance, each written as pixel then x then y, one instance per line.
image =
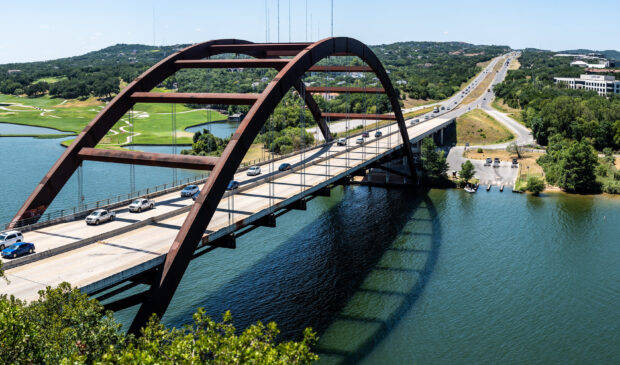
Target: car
pixel 253 171
pixel 359 141
pixel 195 196
pixel 443 108
pixel 515 163
pixel 414 121
pixel 141 204
pixel 455 102
pixel 285 166
pixel 189 190
pixel 488 161
pixel 100 216
pixel 365 135
pixel 233 185
pixel 8 238
pixel 448 108
pixel 427 117
pixel 496 162
pixel 378 134
pixel 484 98
pixel 341 142
pixel 467 144
pixel 18 249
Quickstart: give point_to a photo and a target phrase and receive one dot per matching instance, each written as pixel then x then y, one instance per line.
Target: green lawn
pixel 50 80
pixel 152 121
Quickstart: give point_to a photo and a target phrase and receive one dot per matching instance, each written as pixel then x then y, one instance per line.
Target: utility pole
pixel 332 18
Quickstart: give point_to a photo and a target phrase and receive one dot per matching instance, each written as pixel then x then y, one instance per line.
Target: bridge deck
pixel 120 256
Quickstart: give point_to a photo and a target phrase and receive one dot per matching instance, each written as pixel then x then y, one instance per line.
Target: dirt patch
pixel 514 64
pixel 410 103
pixel 80 103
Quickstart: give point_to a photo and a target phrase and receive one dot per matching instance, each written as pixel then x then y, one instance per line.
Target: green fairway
pixel 152 122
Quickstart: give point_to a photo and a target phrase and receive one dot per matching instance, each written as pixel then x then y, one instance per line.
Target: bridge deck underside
pixel 115 259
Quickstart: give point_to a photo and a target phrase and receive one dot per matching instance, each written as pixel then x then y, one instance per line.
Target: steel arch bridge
pixel 304 57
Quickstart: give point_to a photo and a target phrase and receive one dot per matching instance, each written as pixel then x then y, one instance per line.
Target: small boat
pixel 470 189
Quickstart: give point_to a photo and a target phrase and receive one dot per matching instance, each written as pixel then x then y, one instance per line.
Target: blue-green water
pixel 402 277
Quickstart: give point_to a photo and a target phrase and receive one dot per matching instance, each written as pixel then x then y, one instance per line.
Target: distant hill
pixel 428 70
pixel 609 54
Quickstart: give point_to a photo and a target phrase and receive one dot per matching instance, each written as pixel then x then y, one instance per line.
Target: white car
pixel 8 238
pixel 100 216
pixel 359 141
pixel 341 142
pixel 253 171
pixel 141 204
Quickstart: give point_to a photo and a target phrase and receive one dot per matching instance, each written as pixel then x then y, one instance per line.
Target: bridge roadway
pixel 118 257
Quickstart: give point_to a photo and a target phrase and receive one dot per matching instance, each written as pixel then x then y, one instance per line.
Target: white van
pixel 10 237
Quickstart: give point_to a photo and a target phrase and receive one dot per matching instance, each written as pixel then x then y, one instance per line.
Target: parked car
pixel 100 216
pixel 189 190
pixel 496 162
pixel 378 134
pixel 285 166
pixel 233 185
pixel 141 204
pixel 488 161
pixel 515 163
pixel 253 171
pixel 341 142
pixel 365 135
pixel 18 249
pixel 8 238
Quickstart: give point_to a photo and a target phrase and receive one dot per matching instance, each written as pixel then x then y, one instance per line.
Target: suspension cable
pixel 174 141
pixel 132 167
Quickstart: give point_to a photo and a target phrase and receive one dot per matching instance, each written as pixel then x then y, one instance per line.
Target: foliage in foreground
pixel 65 326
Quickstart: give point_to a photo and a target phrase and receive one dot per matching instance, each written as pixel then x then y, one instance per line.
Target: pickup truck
pixel 141 204
pixel 100 216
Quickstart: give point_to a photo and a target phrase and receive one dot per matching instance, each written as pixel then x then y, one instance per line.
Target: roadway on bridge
pixel 115 258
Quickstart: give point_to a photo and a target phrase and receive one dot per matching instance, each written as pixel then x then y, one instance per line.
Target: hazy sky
pixel 41 30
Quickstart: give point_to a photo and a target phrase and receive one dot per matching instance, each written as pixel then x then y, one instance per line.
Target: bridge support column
pixel 441 131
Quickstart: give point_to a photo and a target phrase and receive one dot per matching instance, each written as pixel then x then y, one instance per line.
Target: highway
pixel 118 256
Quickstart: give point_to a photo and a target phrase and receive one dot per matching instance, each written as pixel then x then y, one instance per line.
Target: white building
pixel 580 63
pixel 602 84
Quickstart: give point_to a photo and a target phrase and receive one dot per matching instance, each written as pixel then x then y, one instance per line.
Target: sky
pixel 42 30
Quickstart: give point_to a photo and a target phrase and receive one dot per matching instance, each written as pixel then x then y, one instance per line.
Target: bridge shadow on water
pixel 351 273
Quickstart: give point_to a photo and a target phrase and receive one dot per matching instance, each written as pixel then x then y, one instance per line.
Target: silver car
pixel 100 216
pixel 253 171
pixel 8 238
pixel 141 204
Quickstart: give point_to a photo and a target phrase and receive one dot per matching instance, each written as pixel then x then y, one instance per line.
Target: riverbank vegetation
pixel 66 326
pixel 479 128
pixel 573 124
pixel 434 164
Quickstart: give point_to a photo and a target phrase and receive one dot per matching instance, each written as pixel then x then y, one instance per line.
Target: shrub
pixel 601 170
pixel 479 150
pixel 535 185
pixel 612 187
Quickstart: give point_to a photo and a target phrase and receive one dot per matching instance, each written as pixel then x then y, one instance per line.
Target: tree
pixel 467 171
pixel 433 162
pixel 609 155
pixel 514 148
pixel 535 185
pixel 66 326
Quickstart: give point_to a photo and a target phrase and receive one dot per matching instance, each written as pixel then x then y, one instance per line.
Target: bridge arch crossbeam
pixel 197 220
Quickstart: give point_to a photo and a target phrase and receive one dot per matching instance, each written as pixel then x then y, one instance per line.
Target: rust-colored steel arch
pixel 196 222
pixel 305 56
pixel 138 90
